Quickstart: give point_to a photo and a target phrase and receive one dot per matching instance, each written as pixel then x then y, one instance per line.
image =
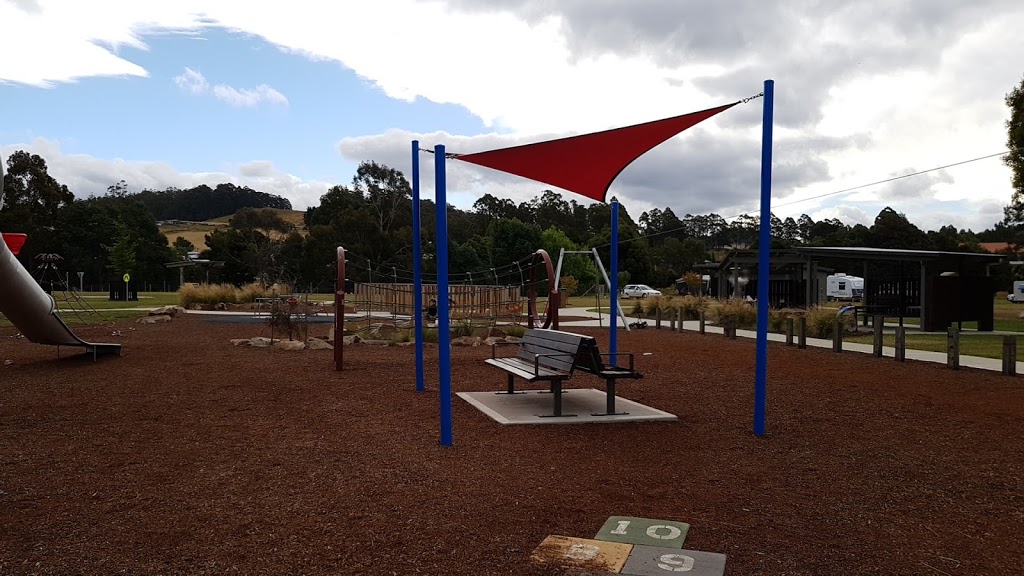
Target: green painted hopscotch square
pixel 644 531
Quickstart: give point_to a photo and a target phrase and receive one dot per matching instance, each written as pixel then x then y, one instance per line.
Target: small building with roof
pixel 941 288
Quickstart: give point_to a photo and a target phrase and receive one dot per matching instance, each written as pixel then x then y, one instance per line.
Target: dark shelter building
pixel 940 288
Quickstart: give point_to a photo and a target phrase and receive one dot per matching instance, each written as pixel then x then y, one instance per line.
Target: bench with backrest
pixel 552 356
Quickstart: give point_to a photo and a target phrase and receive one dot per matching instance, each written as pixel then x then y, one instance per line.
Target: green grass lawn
pixel 100 300
pixel 108 310
pixel 984 345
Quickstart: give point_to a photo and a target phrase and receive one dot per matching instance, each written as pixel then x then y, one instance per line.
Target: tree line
pixel 371 217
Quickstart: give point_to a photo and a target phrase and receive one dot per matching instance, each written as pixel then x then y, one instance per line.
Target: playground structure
pixel 31 309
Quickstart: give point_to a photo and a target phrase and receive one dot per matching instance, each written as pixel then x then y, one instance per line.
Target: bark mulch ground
pixel 189 456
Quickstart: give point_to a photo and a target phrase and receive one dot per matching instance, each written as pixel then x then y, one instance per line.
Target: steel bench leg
pixel 551 390
pixel 511 387
pixel 556 390
pixel 610 395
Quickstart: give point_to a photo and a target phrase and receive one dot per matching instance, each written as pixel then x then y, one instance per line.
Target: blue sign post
pixel 444 345
pixel 763 263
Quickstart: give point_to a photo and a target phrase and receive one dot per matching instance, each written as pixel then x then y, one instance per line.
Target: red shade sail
pixel 587 164
pixel 15 241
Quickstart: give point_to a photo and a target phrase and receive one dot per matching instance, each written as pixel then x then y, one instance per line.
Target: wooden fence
pixel 469 300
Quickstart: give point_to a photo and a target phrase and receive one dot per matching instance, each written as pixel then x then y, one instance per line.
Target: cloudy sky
pixel 288 97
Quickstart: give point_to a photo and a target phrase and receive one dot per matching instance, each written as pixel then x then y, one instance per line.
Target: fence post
pixel 801 341
pixel 701 329
pixel 657 318
pixel 901 344
pixel 953 348
pixel 877 328
pixel 1010 355
pixel 789 331
pixel 837 336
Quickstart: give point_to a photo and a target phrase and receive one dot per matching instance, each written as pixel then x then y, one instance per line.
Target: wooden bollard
pixel 1010 355
pixel 657 319
pixel 801 341
pixel 901 344
pixel 837 336
pixel 877 327
pixel 701 327
pixel 953 348
pixel 679 320
pixel 672 320
pixel 732 331
pixel 789 331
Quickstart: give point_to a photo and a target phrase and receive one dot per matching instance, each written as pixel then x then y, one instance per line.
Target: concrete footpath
pixel 993 364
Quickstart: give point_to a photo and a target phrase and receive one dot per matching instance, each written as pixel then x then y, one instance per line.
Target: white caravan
pixel 1017 294
pixel 839 286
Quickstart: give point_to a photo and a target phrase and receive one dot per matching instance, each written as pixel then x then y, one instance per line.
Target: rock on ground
pixel 291 345
pixel 171 311
pixel 154 319
pixel 318 344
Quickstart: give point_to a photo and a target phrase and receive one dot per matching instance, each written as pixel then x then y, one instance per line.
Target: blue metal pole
pixel 614 278
pixel 763 262
pixel 444 346
pixel 417 267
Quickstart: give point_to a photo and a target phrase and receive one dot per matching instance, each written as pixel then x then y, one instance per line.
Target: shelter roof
pixel 860 253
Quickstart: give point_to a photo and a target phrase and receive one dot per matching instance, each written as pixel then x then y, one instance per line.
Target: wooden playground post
pixel 877 328
pixel 339 312
pixel 1010 355
pixel 953 348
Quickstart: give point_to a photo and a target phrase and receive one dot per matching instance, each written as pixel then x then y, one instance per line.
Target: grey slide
pixel 32 310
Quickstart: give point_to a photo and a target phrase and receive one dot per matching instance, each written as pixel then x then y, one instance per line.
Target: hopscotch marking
pixel 655 561
pixel 644 531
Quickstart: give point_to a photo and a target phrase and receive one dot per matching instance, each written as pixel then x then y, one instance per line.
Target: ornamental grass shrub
pixel 211 294
pixel 734 314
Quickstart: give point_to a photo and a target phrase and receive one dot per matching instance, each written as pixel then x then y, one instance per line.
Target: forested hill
pixel 205 203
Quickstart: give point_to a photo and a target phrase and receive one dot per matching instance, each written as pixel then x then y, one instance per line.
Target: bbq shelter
pixel 794 282
pixel 941 288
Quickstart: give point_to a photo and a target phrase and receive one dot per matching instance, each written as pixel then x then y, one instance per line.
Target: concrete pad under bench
pixel 534 407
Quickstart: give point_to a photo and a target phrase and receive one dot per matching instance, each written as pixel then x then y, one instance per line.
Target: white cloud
pixel 248 98
pixel 87 175
pixel 864 90
pixel 192 81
